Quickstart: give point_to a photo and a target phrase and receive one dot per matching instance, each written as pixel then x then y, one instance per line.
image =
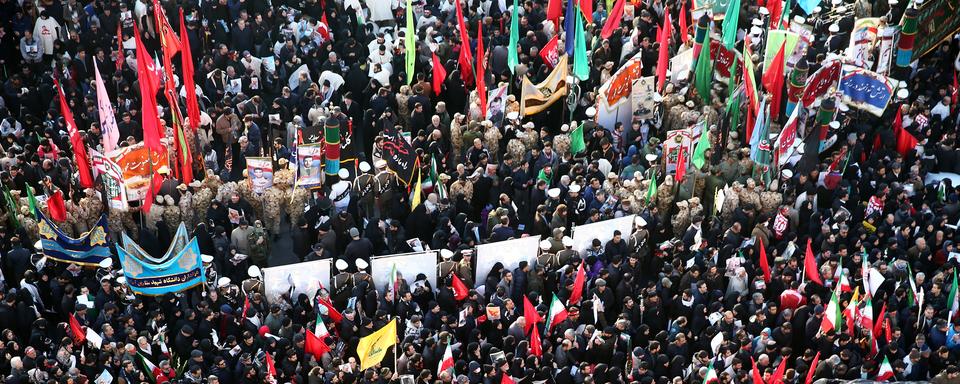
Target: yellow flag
pixel 417 190
pixel 372 348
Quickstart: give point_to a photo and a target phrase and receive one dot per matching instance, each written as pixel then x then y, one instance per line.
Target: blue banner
pixel 87 250
pixel 179 272
pixel 180 240
pixel 865 90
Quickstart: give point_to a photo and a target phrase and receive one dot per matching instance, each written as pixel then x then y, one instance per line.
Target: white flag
pixel 108 122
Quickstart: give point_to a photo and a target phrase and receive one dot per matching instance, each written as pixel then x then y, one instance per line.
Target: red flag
pixel 459 289
pixel 810 267
pixel 776 11
pixel 168 40
pixel 613 22
pixel 887 330
pixel 554 11
pixel 878 323
pixel 186 57
pixel 324 27
pixel 773 81
pixel 905 141
pixel 764 263
pixel 149 81
pixel 315 346
pixel 586 8
pixel 331 311
pixel 684 24
pixel 120 55
pixel 549 52
pixel 681 165
pixel 535 348
pixel 58 212
pixel 79 335
pixel 481 73
pixel 439 74
pixel 791 299
pixel 530 314
pixel 578 282
pixel 79 148
pixel 466 58
pixel 271 369
pixel 777 377
pixel 813 365
pixel 757 377
pixel 506 379
pixel 246 306
pixel 663 59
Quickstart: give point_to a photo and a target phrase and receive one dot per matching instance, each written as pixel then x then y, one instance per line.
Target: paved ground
pixel 281 251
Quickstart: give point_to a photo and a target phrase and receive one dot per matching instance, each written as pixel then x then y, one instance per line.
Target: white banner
pixel 887 36
pixel 862 39
pixel 583 235
pixel 409 265
pixel 510 253
pixel 304 277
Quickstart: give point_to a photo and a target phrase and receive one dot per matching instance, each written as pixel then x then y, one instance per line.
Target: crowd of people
pixel 795 271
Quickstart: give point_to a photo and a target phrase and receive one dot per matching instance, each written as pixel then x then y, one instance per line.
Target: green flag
pixel 652 191
pixel 730 20
pixel 703 75
pixel 11 208
pixel 577 144
pixel 410 43
pixel 512 57
pixel 33 201
pixel 700 152
pixel 581 65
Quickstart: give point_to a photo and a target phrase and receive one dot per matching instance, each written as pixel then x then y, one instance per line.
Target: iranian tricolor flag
pixel 953 300
pixel 320 329
pixel 556 314
pixel 852 311
pixel 711 376
pixel 886 371
pixel 393 281
pixel 447 361
pixel 866 314
pixel 844 282
pixel 831 316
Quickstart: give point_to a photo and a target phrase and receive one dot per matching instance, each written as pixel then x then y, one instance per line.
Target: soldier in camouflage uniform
pixel 29 223
pixel 731 202
pixel 187 213
pixel 689 117
pixel 491 138
pixel 674 116
pixel 749 194
pixel 665 196
pixel 204 195
pixel 457 127
pixel 681 220
pixel 155 214
pixel 770 199
pixel 91 207
pixel 561 141
pixel 171 213
pixel 462 186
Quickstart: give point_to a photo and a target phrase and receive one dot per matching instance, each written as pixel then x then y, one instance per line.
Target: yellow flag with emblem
pixel 373 348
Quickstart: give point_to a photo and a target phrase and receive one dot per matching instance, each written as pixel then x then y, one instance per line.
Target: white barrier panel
pixel 509 252
pixel 305 277
pixel 409 265
pixel 583 235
